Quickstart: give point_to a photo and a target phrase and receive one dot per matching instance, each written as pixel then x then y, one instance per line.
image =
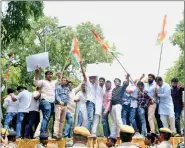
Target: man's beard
pixel 150 81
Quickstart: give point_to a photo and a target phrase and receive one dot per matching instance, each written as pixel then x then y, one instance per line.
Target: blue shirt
pixel 61 94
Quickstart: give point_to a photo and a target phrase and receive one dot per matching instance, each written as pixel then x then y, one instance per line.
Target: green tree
pixel 178 69
pixel 13 75
pixel 58 43
pixel 17 19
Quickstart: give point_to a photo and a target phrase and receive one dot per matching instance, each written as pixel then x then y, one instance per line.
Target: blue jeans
pixel 90 113
pixel 46 108
pixel 125 113
pixel 80 118
pixel 69 123
pixel 141 113
pixel 33 120
pixel 8 119
pixel 177 111
pixel 105 123
pixel 132 118
pixel 20 118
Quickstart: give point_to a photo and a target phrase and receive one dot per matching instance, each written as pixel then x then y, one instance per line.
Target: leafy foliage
pixel 178 69
pixel 58 43
pixel 14 75
pixel 17 19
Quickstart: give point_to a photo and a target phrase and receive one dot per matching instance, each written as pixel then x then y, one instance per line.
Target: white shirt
pixel 11 107
pixel 24 98
pixel 133 102
pixel 83 99
pixel 99 100
pixel 166 106
pixel 34 105
pixel 164 144
pixel 150 88
pixel 91 91
pixel 47 89
pixel 71 105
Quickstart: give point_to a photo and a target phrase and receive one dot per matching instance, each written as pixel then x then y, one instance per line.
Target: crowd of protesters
pixel 139 105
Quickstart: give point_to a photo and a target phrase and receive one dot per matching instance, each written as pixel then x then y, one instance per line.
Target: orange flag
pixel 103 44
pixel 6 74
pixel 75 51
pixel 162 35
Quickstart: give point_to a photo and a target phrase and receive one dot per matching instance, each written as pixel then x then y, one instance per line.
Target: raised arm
pixel 77 88
pixel 83 72
pixel 59 77
pixel 142 76
pixel 37 82
pixel 139 79
pixel 37 73
pixel 127 79
pixel 125 83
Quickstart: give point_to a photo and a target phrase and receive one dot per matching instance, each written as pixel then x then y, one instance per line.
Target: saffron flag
pixel 103 44
pixel 162 35
pixel 75 52
pixel 7 66
pixel 6 74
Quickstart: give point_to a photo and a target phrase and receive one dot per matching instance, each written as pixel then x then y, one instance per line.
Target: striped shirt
pixel 61 94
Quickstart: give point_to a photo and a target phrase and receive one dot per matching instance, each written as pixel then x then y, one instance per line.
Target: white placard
pixel 40 60
pixel 109 71
pixel 98 69
pixel 92 69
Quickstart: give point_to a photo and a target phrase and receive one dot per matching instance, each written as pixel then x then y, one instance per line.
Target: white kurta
pixel 71 105
pixel 82 106
pixel 99 100
pixel 166 106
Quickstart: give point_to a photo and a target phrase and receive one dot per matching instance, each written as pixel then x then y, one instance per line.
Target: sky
pixel 132 26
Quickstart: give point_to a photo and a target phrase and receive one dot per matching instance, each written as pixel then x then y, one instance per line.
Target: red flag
pixel 103 44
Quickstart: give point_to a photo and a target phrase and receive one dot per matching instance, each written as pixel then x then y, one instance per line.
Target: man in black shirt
pixel 116 102
pixel 176 93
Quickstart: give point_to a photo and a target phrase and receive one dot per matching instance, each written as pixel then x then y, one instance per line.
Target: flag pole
pixel 122 67
pixel 160 60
